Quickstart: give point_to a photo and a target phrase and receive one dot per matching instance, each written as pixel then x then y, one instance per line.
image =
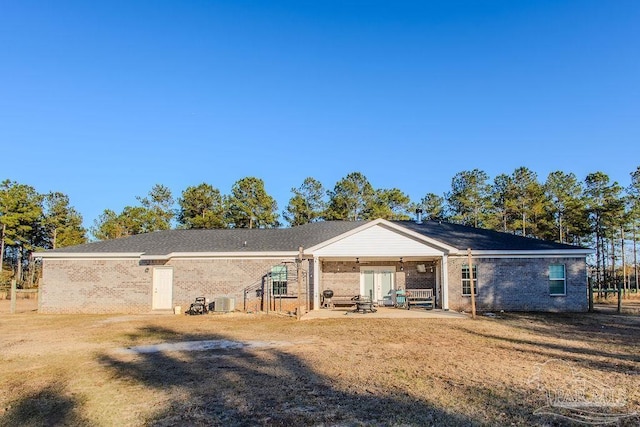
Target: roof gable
pixel 379 238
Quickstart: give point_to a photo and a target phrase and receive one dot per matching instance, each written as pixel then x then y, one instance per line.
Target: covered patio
pixel 376 260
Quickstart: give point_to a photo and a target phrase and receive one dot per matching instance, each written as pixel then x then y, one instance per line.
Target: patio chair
pixel 401 298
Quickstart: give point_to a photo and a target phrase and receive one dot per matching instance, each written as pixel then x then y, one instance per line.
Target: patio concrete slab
pixel 384 313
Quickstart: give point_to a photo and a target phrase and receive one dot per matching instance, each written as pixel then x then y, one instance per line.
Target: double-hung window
pixel 557 280
pixel 466 280
pixel 279 279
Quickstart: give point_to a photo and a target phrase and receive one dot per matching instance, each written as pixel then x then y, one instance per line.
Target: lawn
pixel 243 369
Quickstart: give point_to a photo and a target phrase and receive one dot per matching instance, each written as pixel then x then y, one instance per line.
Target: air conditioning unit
pixel 224 304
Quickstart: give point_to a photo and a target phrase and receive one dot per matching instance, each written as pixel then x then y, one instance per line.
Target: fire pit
pixel 363 304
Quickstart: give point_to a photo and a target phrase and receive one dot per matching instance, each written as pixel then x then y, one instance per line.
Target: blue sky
pixel 101 100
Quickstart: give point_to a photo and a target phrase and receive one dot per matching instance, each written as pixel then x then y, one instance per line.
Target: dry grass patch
pixel 59 370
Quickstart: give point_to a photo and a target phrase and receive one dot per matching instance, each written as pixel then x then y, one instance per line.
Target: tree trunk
pixel 598 278
pixel 635 255
pixel 613 261
pixel 560 227
pixel 624 265
pixel 4 227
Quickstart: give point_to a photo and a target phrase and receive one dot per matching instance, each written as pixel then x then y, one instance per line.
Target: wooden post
pixel 590 290
pixel 13 296
pixel 472 286
pixel 299 271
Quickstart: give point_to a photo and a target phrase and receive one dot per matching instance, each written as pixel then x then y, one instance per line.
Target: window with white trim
pixel 279 279
pixel 557 280
pixel 466 281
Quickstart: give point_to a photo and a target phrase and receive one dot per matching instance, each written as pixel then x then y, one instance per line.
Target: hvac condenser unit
pixel 224 304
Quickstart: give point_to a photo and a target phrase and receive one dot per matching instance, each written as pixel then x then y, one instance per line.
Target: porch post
pixel 445 282
pixel 317 273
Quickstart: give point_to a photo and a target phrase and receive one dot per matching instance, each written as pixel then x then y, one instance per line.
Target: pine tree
pixel 201 207
pixel 469 198
pixel 349 198
pixel 249 205
pixel 307 204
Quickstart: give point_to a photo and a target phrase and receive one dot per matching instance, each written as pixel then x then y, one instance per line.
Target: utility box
pixel 224 304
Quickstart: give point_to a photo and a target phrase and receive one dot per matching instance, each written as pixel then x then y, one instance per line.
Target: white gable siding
pixel 377 241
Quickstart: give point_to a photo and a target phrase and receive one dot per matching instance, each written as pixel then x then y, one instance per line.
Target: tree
pixel 566 208
pixel 307 204
pixel 159 206
pixel 62 222
pixel 155 214
pixel 20 215
pixel 526 199
pixel 634 214
pixel 249 205
pixel 605 208
pixel 432 206
pixel 391 204
pixel 469 198
pixel 201 207
pixel 349 198
pixel 500 218
pixel 110 225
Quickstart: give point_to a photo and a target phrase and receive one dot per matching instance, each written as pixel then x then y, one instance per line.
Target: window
pixel 557 280
pixel 279 279
pixel 466 282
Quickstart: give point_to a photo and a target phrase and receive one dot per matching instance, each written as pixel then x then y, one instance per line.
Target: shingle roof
pixel 219 240
pixel 308 235
pixel 463 237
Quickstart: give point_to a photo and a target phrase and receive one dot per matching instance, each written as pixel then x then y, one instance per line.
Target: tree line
pixel 593 212
pixel 32 221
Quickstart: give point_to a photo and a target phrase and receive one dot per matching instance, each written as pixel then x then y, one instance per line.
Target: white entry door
pixel 162 288
pixel 377 282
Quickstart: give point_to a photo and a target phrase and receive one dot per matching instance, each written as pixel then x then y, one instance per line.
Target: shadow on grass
pixel 604 327
pixel 51 406
pixel 610 336
pixel 263 386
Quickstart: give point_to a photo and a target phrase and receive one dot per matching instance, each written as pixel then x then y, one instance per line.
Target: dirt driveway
pixel 237 370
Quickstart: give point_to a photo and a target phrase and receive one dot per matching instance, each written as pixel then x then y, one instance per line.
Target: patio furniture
pixel 419 297
pixel 363 304
pixel 401 299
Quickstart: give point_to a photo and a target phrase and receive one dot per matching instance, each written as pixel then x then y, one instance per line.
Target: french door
pixel 377 282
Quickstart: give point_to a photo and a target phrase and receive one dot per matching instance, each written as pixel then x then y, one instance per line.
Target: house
pixel 277 269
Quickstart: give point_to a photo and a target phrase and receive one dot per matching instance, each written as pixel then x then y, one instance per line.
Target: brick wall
pixel 342 277
pixel 94 286
pixel 213 278
pixel 124 286
pixel 519 284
